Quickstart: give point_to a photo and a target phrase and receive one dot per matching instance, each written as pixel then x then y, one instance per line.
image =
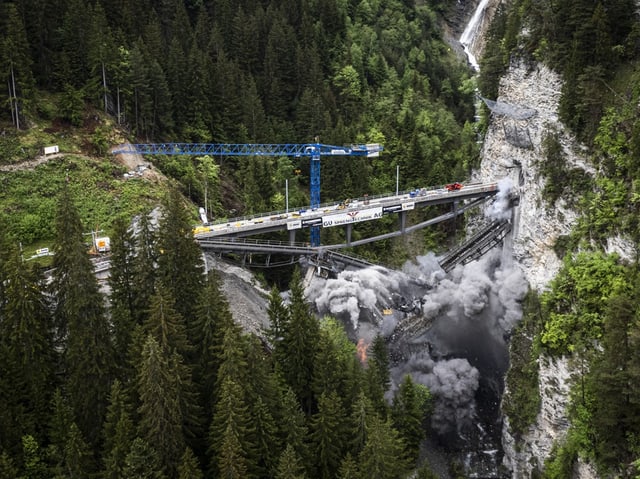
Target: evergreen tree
pixel 377 374
pixel 161 417
pixel 71 67
pixel 122 296
pixel 180 266
pixel 78 460
pixel 613 414
pixel 82 323
pixel 296 352
pixel 348 468
pixel 278 315
pixel 118 433
pixel 143 462
pixel 28 354
pixel 59 426
pixel 8 470
pixel 212 318
pixel 267 446
pixel 15 63
pixel 230 445
pixel 68 449
pixel 289 465
pixel 144 271
pixel 189 467
pixel 362 413
pixel 408 413
pixel 166 325
pixel 292 425
pixel 102 56
pixel 383 455
pixel 328 434
pixel 34 464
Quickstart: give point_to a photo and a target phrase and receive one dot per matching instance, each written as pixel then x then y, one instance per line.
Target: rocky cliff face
pixel 512 149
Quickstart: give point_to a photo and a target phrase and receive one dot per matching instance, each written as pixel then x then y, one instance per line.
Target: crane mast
pixel 312 150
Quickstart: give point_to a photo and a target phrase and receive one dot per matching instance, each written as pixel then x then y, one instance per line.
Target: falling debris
pixel 511 111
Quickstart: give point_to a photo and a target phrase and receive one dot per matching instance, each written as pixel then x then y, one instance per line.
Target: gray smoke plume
pixel 351 292
pixel 500 208
pixel 453 382
pixel 447 331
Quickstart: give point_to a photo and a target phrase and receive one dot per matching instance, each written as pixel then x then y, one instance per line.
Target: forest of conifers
pixel 159 381
pixel 162 383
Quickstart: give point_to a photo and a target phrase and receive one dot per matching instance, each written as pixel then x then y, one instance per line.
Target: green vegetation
pixel 240 72
pixel 521 402
pixel 161 380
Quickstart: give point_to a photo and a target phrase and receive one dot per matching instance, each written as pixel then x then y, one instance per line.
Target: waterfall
pixel 470 34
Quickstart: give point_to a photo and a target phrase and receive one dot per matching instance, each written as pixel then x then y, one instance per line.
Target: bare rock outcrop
pixel 513 148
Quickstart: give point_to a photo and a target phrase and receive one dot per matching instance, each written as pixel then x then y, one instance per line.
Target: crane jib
pixel 257 149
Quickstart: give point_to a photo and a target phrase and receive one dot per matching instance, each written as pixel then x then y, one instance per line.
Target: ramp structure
pixel 476 246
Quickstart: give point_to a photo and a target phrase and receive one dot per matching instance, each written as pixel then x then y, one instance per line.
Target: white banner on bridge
pixel 408 206
pixel 355 216
pixel 294 225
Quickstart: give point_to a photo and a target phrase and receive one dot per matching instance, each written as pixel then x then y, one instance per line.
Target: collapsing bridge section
pixel 482 241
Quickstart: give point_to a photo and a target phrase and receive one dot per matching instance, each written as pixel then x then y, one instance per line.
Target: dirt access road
pixel 133 162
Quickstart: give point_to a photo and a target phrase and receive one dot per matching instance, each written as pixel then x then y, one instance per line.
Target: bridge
pixel 351 212
pixel 232 236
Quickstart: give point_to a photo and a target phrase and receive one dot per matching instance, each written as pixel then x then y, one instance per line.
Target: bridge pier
pixel 292 236
pixel 403 221
pixel 347 231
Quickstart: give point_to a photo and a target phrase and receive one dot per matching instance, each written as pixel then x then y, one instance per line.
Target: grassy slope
pixel 29 191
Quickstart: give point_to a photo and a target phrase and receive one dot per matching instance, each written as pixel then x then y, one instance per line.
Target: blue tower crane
pixel 312 150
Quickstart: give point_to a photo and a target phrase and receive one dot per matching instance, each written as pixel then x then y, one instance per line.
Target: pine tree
pixel 118 433
pixel 101 55
pixel 122 296
pixel 348 468
pixel 34 465
pixel 161 417
pixel 68 450
pixel 377 375
pixel 267 447
pixel 180 267
pixel 143 462
pixel 408 413
pixel 78 460
pixel 289 465
pixel 328 434
pixel 278 315
pixel 230 445
pixel 362 413
pixel 292 425
pixel 613 413
pixel 81 321
pixel 166 325
pixel 15 63
pixel 383 455
pixel 144 269
pixel 25 336
pixel 212 318
pixel 59 426
pixel 296 352
pixel 189 467
pixel 8 470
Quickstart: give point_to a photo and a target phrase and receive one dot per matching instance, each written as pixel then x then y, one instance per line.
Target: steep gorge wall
pixel 513 149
